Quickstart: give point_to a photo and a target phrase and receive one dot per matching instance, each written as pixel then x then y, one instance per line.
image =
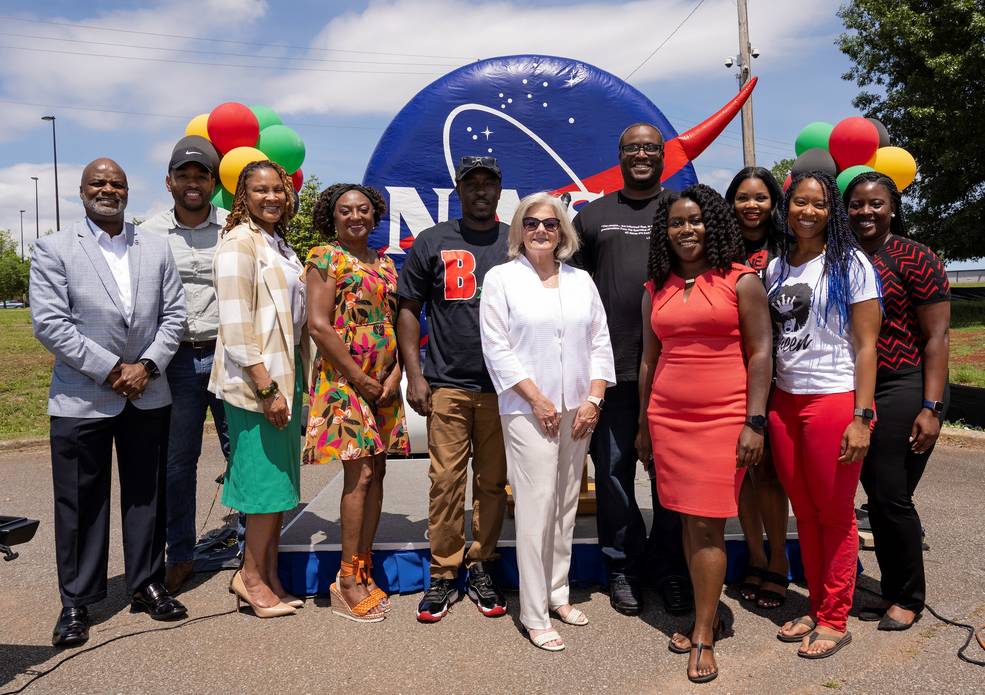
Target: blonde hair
pixel 568 242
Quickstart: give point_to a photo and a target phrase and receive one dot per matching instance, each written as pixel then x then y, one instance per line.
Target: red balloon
pixel 787 181
pixel 297 178
pixel 232 125
pixel 853 141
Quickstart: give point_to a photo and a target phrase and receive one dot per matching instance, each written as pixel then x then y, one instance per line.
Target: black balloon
pixel 883 133
pixel 815 159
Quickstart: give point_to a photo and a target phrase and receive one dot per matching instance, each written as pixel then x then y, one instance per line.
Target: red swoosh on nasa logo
pixel 679 151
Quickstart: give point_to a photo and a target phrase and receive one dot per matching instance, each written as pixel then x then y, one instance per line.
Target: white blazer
pixel 557 338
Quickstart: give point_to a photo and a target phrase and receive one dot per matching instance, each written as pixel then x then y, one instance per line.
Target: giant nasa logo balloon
pixel 553 124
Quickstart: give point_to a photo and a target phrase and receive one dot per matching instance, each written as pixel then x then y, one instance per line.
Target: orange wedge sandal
pixel 359 613
pixel 367 561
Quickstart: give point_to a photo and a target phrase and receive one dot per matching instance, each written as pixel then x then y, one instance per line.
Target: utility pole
pixel 37 215
pixel 746 55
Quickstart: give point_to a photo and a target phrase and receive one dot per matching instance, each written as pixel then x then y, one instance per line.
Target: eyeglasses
pixel 649 148
pixel 551 224
pixel 479 161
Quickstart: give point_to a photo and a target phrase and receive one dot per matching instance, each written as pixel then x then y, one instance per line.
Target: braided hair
pixel 323 214
pixel 897 225
pixel 774 225
pixel 842 266
pixel 240 213
pixel 723 242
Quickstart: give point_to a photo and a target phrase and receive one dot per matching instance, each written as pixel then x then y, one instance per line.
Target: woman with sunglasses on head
pixel 704 381
pixel 911 391
pixel 356 413
pixel 754 196
pixel 546 344
pixel 824 301
pixel 259 369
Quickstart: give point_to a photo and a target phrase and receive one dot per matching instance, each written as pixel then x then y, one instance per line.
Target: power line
pixel 252 44
pixel 220 65
pixel 669 37
pixel 221 53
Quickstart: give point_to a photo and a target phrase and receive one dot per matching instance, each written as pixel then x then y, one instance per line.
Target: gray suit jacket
pixel 76 313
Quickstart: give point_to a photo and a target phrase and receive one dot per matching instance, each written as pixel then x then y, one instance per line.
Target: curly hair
pixel 723 242
pixel 897 225
pixel 240 213
pixel 323 214
pixel 774 225
pixel 842 266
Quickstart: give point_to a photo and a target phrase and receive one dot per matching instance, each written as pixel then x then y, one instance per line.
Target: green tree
pixel 300 234
pixel 781 169
pixel 924 62
pixel 13 271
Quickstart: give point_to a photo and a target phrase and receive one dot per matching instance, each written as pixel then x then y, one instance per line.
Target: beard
pixel 104 208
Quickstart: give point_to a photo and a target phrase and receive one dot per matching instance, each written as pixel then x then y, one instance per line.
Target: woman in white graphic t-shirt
pixel 824 302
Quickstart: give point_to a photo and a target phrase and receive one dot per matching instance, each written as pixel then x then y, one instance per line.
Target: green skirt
pixel 264 471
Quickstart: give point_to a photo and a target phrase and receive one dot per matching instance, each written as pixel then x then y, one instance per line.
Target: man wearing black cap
pixel 444 271
pixel 192 228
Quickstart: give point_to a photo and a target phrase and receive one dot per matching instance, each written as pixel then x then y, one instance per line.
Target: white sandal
pixel 541 641
pixel 573 617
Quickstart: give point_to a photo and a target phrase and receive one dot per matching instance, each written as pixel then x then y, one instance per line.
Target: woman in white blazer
pixel 546 344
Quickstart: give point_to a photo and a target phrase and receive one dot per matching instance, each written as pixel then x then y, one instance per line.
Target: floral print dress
pixel 341 424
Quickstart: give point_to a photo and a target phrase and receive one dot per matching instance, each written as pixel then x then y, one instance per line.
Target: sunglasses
pixel 479 161
pixel 649 148
pixel 551 224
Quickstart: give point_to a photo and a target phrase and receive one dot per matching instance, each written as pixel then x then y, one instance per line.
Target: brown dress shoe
pixel 176 574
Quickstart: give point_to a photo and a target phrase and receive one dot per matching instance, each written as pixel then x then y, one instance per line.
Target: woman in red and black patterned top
pixel 753 196
pixel 911 387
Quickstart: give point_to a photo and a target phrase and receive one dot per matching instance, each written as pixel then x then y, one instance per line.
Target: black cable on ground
pixel 946 621
pixel 80 652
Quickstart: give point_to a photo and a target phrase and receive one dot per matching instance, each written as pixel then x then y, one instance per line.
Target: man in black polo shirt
pixel 615 236
pixel 444 271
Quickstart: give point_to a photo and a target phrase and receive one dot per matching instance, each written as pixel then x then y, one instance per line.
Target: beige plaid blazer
pixel 255 323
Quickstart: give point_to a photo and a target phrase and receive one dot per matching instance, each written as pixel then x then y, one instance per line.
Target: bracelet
pixel 268 391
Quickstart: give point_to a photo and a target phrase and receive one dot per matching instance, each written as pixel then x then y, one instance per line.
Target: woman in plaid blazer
pixel 260 363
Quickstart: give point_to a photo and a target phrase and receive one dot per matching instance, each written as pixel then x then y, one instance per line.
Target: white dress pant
pixel 545 475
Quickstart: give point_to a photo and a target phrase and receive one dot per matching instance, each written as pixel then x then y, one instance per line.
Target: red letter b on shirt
pixel 460 280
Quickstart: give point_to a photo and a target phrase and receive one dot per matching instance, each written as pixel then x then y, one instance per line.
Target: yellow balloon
pixel 897 164
pixel 198 126
pixel 233 163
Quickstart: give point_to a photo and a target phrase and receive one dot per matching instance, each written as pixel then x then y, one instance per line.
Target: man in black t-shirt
pixel 615 236
pixel 443 272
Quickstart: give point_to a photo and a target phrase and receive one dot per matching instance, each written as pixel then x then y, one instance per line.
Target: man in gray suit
pixel 107 302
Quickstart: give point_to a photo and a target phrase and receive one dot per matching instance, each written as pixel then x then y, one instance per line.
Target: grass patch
pixel 25 372
pixel 967 363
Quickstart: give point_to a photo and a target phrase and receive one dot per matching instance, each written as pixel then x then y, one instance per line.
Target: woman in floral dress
pixel 356 414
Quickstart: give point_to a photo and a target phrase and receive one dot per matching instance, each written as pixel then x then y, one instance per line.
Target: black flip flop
pixel 747 587
pixel 846 639
pixel 775 597
pixel 701 646
pixel 720 631
pixel 804 620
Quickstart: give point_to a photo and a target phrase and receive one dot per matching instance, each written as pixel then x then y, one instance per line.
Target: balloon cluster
pixel 846 150
pixel 244 134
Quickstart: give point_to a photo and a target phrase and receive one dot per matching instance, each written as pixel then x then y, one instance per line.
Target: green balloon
pixel 222 198
pixel 283 146
pixel 846 176
pixel 266 116
pixel 813 135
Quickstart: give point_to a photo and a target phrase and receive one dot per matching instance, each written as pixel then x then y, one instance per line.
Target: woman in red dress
pixel 704 381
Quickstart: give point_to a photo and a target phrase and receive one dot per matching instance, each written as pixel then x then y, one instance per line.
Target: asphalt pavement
pixel 219 650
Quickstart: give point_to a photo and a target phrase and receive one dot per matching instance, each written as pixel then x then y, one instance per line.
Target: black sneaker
pixel 481 589
pixel 437 600
pixel 624 596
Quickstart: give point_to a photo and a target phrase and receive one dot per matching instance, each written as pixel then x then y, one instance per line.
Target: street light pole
pixel 37 216
pixel 54 151
pixel 22 234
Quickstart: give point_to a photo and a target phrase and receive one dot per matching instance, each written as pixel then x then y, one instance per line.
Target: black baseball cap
pixel 195 148
pixel 470 164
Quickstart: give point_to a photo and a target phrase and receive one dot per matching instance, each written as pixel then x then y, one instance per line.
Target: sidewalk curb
pixel 28 444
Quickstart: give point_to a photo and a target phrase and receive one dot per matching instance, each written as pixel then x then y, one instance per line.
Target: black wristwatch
pixel 865 413
pixel 152 371
pixel 936 406
pixel 756 422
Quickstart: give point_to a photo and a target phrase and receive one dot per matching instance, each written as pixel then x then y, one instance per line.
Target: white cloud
pixel 615 38
pixel 17 193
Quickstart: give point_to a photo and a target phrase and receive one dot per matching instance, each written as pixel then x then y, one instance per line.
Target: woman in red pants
pixel 824 301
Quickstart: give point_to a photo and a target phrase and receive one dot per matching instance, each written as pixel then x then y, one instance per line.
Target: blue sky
pixel 329 69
